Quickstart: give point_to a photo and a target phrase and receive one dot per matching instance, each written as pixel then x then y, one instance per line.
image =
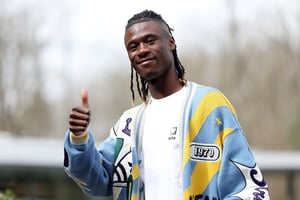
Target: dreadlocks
pixel 142 86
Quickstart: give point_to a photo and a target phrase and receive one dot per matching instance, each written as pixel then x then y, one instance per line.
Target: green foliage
pixel 8 195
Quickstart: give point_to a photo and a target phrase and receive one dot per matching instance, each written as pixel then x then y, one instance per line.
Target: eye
pixel 150 40
pixel 132 47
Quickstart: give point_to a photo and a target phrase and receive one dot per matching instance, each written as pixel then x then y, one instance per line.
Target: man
pixel 183 142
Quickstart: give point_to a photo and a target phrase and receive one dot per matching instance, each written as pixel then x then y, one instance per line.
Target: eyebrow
pixel 147 35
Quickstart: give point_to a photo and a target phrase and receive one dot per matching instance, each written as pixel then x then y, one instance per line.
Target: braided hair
pixel 142 86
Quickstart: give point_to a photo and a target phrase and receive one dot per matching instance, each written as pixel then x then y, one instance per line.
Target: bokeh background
pixel 50 50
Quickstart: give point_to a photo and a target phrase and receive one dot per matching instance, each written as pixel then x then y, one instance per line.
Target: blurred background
pixel 50 50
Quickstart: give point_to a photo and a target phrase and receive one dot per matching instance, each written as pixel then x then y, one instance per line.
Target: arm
pixel 90 168
pixel 239 176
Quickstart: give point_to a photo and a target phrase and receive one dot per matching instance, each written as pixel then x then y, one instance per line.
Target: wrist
pixel 80 138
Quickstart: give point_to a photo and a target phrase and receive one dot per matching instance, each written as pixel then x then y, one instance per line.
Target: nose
pixel 142 49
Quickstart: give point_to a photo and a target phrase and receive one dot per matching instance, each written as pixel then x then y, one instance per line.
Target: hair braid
pixel 131 85
pixel 138 84
pixel 142 86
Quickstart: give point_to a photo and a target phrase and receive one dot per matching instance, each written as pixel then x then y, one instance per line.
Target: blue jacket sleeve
pixel 239 175
pixel 89 167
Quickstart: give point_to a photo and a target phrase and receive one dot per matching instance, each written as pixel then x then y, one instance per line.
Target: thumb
pixel 84 98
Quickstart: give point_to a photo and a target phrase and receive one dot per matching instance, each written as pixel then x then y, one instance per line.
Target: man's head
pixel 151 49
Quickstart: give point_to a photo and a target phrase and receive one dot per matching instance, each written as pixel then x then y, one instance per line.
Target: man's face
pixel 149 46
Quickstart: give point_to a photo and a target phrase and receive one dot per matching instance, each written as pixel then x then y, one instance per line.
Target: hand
pixel 79 117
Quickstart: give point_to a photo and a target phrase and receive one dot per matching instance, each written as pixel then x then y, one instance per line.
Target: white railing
pixel 281 162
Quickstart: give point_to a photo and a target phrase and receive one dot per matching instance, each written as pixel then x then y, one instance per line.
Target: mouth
pixel 145 61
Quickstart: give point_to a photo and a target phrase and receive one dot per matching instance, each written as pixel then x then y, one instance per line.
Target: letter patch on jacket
pixel 205 152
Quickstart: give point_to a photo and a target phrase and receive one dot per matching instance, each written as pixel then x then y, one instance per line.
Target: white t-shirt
pixel 161 158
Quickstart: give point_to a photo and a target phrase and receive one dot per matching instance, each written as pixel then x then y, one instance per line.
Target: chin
pixel 149 78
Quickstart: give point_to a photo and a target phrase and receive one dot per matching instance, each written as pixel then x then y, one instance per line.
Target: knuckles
pixel 81 109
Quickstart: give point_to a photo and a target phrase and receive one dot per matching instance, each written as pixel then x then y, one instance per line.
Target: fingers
pixel 79 119
pixel 84 98
pixel 80 114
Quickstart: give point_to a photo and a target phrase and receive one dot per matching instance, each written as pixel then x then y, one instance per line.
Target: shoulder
pixel 207 96
pixel 134 110
pixel 128 117
pixel 200 92
pixel 201 88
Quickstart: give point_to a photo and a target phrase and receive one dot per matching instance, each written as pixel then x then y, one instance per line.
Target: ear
pixel 172 43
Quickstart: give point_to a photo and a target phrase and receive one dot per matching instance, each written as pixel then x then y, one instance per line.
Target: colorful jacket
pixel 217 162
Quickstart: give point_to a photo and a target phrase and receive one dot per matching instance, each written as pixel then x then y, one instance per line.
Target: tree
pixel 22 106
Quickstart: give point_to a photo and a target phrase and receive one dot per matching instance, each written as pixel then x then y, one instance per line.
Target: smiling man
pixel 183 142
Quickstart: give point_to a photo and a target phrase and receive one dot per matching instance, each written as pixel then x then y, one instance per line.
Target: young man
pixel 183 142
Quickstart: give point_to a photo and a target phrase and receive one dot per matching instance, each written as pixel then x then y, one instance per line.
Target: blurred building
pixel 33 169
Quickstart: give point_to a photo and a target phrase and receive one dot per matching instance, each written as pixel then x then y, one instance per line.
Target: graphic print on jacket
pixel 123 164
pixel 213 144
pixel 254 180
pixel 122 177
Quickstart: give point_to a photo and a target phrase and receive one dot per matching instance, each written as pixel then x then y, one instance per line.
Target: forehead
pixel 141 29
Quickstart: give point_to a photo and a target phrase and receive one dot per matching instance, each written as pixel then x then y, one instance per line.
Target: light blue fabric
pixel 112 170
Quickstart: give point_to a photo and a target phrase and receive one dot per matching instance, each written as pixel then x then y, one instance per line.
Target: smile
pixel 145 61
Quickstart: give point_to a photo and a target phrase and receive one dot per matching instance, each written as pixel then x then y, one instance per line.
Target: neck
pixel 163 88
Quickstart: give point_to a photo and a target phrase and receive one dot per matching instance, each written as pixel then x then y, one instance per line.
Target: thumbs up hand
pixel 79 117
